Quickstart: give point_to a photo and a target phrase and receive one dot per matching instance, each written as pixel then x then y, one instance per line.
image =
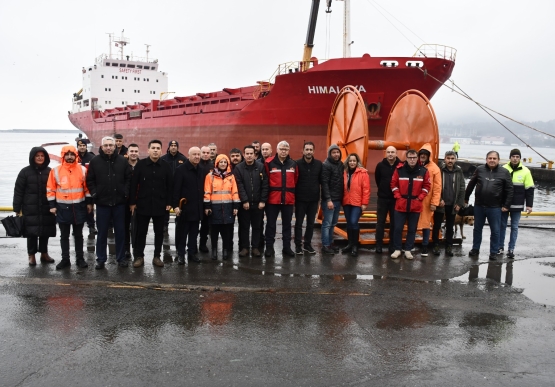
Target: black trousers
pixel 37 244
pixel 204 230
pixel 302 209
pixel 449 223
pixel 186 235
pixel 272 212
pixel 224 231
pixel 250 219
pixel 142 229
pixel 127 229
pixel 65 229
pixel 385 206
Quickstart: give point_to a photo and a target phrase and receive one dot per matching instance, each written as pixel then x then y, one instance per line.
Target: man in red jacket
pixel 283 174
pixel 410 185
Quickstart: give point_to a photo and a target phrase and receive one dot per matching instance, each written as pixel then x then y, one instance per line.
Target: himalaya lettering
pixel 330 89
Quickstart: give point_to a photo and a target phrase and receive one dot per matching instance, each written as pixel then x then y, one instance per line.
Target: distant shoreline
pixel 42 130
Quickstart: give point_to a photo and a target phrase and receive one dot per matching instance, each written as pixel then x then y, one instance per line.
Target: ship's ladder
pixel 264 88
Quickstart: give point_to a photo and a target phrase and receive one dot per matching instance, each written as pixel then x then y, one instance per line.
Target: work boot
pixel 256 253
pixel 181 260
pixel 449 251
pixel 269 251
pixel 347 249
pixel 156 261
pixel 327 250
pixel 379 249
pixel 99 266
pixel 65 262
pixel 225 254
pixel 396 254
pixel 80 262
pixel 355 236
pixel 334 248
pixel 435 250
pixel 244 252
pixel 168 259
pixel 45 258
pixel 474 253
pixel 288 252
pixel 32 260
pixel 214 253
pixel 192 257
pixel 139 262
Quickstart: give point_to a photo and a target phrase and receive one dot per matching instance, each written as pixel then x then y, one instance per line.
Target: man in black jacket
pixel 151 195
pixel 206 165
pixel 252 184
pixel 108 180
pixel 332 196
pixel 494 194
pixel 307 197
pixel 175 159
pixel 120 149
pixel 85 156
pixel 386 201
pixel 188 202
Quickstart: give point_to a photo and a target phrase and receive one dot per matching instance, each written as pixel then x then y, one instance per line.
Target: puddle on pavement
pixel 535 276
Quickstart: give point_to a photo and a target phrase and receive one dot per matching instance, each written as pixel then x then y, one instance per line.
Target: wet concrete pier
pixel 310 320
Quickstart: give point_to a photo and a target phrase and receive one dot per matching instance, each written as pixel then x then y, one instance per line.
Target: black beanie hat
pixel 515 152
pixel 173 142
pixel 424 151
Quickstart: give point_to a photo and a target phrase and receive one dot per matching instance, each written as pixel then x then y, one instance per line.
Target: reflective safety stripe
pixel 71 190
pixel 220 201
pixel 221 192
pixel 425 190
pixel 74 201
pixel 276 171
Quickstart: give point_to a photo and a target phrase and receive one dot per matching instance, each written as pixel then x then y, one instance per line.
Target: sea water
pixel 15 147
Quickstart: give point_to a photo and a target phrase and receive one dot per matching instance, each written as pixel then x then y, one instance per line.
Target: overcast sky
pixel 506 48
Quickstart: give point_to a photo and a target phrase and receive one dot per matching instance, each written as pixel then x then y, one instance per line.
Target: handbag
pixel 13 226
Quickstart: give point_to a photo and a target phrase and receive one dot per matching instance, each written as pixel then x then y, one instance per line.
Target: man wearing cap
pixel 523 194
pixel 120 148
pixel 494 195
pixel 85 158
pixel 175 159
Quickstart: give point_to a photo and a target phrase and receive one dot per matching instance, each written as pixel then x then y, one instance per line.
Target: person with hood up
pixel 29 199
pixel 410 184
pixel 332 195
pixel 356 196
pixel 431 201
pixel 221 203
pixel 70 201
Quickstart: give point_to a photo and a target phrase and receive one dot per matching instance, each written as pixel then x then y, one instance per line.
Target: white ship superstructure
pixel 120 80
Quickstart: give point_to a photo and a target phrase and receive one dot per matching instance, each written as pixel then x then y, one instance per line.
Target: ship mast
pixel 347 29
pixel 120 42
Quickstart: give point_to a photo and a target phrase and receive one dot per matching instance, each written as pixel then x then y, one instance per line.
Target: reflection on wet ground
pixel 535 277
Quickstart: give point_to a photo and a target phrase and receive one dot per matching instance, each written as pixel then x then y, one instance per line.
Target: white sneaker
pixel 396 254
pixel 408 255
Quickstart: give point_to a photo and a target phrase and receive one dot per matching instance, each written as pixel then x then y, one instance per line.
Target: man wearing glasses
pixel 410 184
pixel 108 180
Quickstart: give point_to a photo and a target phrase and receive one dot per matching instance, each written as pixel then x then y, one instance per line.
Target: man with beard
pixel 85 156
pixel 332 195
pixel 175 159
pixel 410 184
pixel 151 197
pixel 235 157
pixel 307 197
pixel 108 180
pixel 386 201
pixel 257 154
pixel 206 165
pixel 120 148
pixel 213 151
pixel 188 203
pixel 452 199
pixel 69 200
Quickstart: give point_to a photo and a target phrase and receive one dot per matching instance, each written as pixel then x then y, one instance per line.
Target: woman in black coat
pixel 29 199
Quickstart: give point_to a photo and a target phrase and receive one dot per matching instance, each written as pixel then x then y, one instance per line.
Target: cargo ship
pixel 128 95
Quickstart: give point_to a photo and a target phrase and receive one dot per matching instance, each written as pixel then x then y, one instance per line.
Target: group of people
pixel 207 191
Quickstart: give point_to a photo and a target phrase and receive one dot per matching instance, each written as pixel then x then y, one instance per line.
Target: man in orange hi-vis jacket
pixel 70 201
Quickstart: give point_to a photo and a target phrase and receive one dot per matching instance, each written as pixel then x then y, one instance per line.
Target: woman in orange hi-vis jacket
pixel 356 197
pixel 221 203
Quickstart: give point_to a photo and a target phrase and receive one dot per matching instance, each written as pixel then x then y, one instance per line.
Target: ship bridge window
pixel 122 65
pixel 147 67
pixel 102 76
pixel 138 66
pixel 107 64
pixel 131 66
pixel 389 63
pixel 115 64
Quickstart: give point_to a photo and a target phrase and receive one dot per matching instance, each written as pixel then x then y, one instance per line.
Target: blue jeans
pixel 515 219
pixel 412 223
pixel 352 215
pixel 329 222
pixel 104 216
pixel 493 215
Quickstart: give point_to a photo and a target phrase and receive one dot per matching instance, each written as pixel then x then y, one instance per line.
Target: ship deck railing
pixel 436 51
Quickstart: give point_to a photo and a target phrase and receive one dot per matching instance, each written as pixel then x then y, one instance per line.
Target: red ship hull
pixel 296 109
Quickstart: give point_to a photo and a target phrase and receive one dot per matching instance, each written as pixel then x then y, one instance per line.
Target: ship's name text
pixel 330 89
pixel 136 71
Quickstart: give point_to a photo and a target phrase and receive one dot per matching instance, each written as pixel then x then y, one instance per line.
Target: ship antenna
pixel 147 50
pixel 121 42
pixel 110 44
